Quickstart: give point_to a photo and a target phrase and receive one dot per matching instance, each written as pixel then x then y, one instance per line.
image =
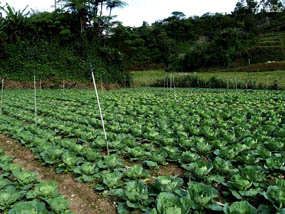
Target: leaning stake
pixel 101 115
pixel 2 90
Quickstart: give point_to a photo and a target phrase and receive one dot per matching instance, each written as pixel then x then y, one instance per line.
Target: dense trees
pixel 60 43
pixel 64 41
pixel 197 43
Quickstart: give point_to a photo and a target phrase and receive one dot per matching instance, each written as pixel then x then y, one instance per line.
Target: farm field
pixel 193 151
pixel 149 77
pixel 22 192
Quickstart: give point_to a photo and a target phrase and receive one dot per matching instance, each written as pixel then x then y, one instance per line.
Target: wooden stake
pixel 100 110
pixel 125 81
pixel 166 83
pixel 101 83
pixel 174 89
pixel 236 84
pixel 2 91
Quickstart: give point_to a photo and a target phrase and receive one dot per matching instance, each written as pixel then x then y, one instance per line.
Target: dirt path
pixel 83 198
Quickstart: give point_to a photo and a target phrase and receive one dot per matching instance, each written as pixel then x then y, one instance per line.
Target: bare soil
pixel 171 170
pixel 84 200
pixel 54 83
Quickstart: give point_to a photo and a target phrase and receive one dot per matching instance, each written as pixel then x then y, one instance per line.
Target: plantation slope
pixel 269 47
pixel 83 199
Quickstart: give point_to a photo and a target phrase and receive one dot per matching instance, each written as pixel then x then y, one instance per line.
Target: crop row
pixel 230 147
pixel 22 192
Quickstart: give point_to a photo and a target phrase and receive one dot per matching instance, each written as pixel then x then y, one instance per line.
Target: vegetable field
pixel 22 192
pixel 225 149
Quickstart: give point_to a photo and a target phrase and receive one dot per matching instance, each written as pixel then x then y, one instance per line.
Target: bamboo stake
pixel 174 89
pixel 101 83
pixel 35 93
pixel 125 81
pixel 100 110
pixel 248 68
pixel 166 84
pixel 236 84
pixel 2 91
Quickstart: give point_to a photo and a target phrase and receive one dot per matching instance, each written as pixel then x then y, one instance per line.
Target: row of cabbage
pixel 22 192
pixel 227 160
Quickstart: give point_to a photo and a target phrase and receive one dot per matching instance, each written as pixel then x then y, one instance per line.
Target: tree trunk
pixel 101 10
pixel 81 25
pixel 107 31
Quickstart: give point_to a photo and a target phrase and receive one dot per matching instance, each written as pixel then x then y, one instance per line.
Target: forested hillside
pixel 63 43
pixel 181 43
pixel 60 44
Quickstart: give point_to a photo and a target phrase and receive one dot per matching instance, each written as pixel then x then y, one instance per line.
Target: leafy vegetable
pixel 242 207
pixel 137 171
pixel 44 190
pixel 168 203
pixel 168 184
pixel 59 205
pixel 9 196
pixel 112 180
pixel 29 207
pixel 25 177
pixel 202 195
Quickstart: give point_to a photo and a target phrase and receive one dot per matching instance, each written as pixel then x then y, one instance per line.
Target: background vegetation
pixel 62 44
pixel 148 78
pixel 185 44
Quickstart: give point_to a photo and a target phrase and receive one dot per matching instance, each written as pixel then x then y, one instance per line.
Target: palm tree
pixel 272 5
pixel 111 4
pixel 16 20
pixel 80 8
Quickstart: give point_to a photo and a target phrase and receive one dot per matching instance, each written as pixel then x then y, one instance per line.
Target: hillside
pixel 269 47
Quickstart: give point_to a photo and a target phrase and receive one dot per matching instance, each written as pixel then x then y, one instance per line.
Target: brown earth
pixel 53 83
pixel 84 200
pixel 171 170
